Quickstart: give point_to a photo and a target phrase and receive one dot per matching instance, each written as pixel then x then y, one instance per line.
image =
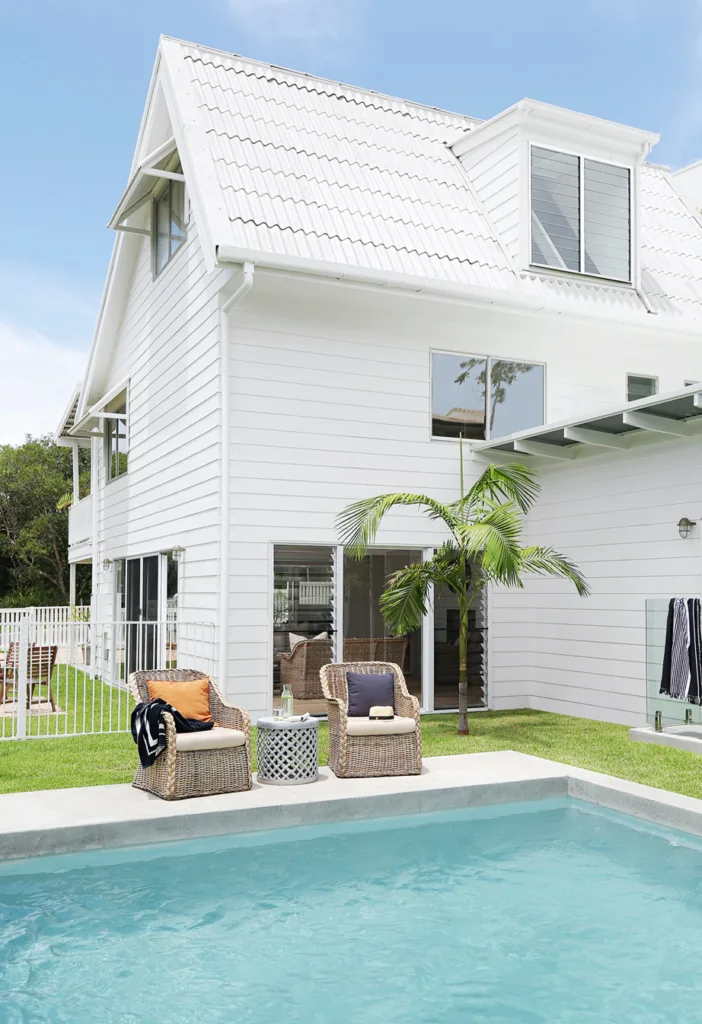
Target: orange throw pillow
pixel 191 697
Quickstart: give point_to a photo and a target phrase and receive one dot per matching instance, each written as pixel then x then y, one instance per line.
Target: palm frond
pixel 358 524
pixel 494 539
pixel 514 483
pixel 540 561
pixel 404 601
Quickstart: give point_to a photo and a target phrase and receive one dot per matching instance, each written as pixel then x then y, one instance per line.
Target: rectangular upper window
pixel 116 437
pixel 580 215
pixel 462 404
pixel 640 387
pixel 168 227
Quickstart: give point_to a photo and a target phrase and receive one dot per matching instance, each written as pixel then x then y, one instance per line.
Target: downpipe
pixel 239 293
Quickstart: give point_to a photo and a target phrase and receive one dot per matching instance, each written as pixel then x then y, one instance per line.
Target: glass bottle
pixel 286 701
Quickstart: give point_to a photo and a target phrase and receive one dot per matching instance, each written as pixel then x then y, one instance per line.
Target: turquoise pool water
pixel 547 912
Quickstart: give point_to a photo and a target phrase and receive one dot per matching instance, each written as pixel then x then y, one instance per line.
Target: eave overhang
pixel 661 417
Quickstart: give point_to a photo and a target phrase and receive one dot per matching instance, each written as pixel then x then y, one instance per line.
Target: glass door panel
pixel 304 623
pixel 142 607
pixel 366 637
pixel 446 631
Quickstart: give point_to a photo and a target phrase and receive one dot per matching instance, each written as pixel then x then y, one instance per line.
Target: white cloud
pixel 37 376
pixel 302 20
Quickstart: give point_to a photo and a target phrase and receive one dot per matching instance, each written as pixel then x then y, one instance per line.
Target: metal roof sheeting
pixel 319 170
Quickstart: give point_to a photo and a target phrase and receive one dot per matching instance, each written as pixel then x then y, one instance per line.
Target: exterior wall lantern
pixel 178 553
pixel 107 562
pixel 684 527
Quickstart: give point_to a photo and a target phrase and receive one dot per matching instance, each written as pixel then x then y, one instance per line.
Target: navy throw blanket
pixel 149 729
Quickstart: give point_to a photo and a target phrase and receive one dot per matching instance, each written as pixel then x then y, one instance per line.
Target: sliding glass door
pixel 304 622
pixel 366 636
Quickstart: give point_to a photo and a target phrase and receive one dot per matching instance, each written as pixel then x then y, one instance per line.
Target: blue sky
pixel 74 76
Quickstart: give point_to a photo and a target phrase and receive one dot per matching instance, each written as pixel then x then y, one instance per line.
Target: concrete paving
pixel 62 821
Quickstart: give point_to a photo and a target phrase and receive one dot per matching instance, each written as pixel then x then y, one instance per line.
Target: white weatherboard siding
pixel 493 168
pixel 168 347
pixel 331 402
pixel 616 515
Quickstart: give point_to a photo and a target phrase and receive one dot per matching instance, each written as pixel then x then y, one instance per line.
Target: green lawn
pixel 100 760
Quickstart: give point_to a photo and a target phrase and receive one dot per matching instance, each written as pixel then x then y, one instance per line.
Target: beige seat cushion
pixel 375 727
pixel 210 739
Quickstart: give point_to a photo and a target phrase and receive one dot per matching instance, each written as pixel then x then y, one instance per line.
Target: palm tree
pixel 485 526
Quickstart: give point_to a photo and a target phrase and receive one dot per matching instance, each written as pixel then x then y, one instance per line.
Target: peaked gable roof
pixel 318 171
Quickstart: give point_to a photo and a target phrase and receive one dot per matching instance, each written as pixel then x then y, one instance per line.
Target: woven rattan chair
pixel 377 648
pixel 300 668
pixel 384 752
pixel 176 774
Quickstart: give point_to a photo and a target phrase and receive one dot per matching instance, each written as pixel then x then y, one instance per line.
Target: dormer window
pixel 580 215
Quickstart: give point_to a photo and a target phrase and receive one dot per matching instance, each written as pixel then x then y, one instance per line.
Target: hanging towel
pixel 149 729
pixel 693 615
pixel 681 677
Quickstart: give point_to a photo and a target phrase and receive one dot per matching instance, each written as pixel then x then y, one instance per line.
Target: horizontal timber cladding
pixel 616 516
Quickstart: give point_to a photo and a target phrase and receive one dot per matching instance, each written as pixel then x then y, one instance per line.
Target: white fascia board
pixel 468 293
pixel 67 412
pixel 559 120
pixel 98 406
pixel 204 190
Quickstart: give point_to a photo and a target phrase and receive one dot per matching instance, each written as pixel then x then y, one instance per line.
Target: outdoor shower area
pixel 326 608
pixel 673 674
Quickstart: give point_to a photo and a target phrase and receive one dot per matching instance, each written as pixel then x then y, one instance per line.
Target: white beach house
pixel 314 290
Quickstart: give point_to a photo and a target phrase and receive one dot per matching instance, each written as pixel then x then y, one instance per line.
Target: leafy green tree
pixel 484 546
pixel 34 476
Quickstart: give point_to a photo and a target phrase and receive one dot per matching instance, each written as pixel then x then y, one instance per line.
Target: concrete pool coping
pixel 98 817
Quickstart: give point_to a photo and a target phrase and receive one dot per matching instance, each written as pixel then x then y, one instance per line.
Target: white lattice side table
pixel 287 751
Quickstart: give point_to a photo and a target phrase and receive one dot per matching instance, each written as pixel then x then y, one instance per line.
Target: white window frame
pixel 582 157
pixel 112 417
pixel 489 360
pixel 644 376
pixel 155 199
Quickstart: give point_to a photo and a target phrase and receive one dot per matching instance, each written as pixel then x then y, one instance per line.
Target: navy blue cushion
pixel 369 688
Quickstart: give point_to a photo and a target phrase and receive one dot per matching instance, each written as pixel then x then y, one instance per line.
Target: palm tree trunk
pixel 463 605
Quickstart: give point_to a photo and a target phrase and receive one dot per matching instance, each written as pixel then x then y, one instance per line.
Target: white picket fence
pixel 69 677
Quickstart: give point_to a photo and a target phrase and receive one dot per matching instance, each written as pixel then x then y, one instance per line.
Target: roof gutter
pixel 466 292
pixel 241 291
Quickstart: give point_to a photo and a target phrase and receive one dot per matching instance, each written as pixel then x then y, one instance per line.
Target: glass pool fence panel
pixel 673 712
pixel 74 681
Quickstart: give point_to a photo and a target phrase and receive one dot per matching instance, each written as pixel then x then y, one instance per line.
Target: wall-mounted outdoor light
pixel 178 553
pixel 684 527
pixel 107 562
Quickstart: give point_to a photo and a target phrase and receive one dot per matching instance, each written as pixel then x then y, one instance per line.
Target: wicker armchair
pixel 377 648
pixel 300 668
pixel 178 773
pixel 361 749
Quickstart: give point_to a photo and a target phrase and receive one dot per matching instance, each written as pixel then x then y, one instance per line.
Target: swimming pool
pixel 543 912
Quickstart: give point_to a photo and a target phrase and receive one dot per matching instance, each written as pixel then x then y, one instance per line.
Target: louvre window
pixel 580 215
pixel 640 387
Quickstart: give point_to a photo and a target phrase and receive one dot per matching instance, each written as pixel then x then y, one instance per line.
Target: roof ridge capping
pixel 547 115
pixel 320 78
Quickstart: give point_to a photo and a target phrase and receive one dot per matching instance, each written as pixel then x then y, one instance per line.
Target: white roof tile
pixel 314 169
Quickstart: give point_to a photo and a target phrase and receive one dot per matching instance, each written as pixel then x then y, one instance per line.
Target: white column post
pixel 427 703
pixel 339 603
pixel 72 584
pixel 76 474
